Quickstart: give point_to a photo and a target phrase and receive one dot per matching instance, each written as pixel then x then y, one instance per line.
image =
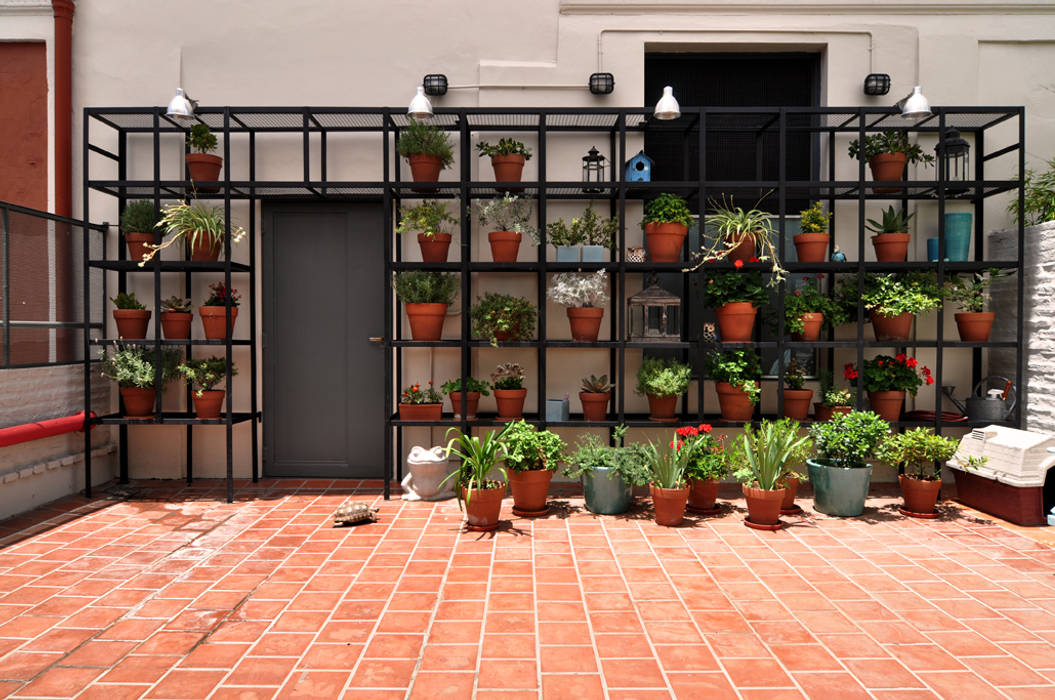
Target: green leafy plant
pixel 894 221
pixel 421 138
pixel 197 223
pixel 667 462
pixel 766 453
pixel 900 293
pixel 596 385
pixel 503 313
pixel 814 220
pixel 847 440
pixel 508 376
pixel 889 142
pixel 218 295
pixel 741 368
pixel 886 373
pixel 479 456
pixel 917 449
pixel 133 366
pixel 736 285
pixel 969 291
pixel 1039 200
pixel 453 386
pixel 579 289
pixel 708 456
pixel 414 394
pixel 428 218
pixel 794 375
pixel 808 299
pixel 588 229
pixel 731 225
pixel 201 139
pixel 527 448
pixel 504 147
pixel 507 213
pixel 659 377
pixel 127 301
pixel 176 305
pixel 421 287
pixel 972 462
pixel 139 217
pixel 838 397
pixel 204 374
pixel 667 208
pixel 626 462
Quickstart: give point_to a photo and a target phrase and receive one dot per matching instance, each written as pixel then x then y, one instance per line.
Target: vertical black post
pixel 831 249
pixel 390 323
pixel 859 399
pixel 701 198
pixel 782 194
pixel 540 255
pixel 465 263
pixel 620 388
pixel 5 275
pixel 254 409
pixel 1020 331
pixel 939 353
pixel 229 398
pixel 86 293
pixel 978 207
pixel 158 378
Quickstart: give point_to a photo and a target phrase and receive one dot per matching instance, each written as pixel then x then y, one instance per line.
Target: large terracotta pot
pixel 530 489
pixel 763 507
pixel 669 504
pixel 139 403
pixel 510 403
pixel 205 249
pixel 736 321
pixel 207 406
pixel 887 404
pixel 891 247
pixel 797 403
pixel 472 402
pixel 664 241
pixel 508 168
pixel 426 320
pixel 811 328
pixel 703 495
pixel 824 413
pixel 897 327
pixel 594 405
pixel 176 325
pixel 434 248
pixel 662 408
pixel 505 245
pixel 734 403
pixel 920 496
pixel 421 411
pixel 137 245
pixel 744 250
pixel 811 247
pixel 214 321
pixel 204 167
pixel 425 168
pixel 974 326
pixel 791 489
pixel 585 322
pixel 887 167
pixel 483 507
pixel 132 323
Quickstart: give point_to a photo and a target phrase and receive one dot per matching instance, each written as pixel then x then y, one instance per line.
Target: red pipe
pixel 42 429
pixel 63 11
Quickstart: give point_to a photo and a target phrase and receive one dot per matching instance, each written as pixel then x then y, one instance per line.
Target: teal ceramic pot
pixel 839 491
pixel 958 236
pixel 568 253
pixel 606 493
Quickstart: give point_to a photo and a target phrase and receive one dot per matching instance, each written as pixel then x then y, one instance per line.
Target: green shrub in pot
pixel 840 473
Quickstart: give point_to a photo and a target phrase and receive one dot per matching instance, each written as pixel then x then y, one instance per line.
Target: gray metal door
pixel 323 273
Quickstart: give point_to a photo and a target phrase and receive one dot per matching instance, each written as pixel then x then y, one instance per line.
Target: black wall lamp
pixel 602 83
pixel 435 84
pixel 877 84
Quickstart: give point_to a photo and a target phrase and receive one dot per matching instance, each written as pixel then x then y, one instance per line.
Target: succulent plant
pixel 596 385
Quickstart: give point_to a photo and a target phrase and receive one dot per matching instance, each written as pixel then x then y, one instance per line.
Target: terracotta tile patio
pixel 176 594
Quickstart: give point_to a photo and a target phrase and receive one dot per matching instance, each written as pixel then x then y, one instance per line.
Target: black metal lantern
pixel 954 156
pixel 602 83
pixel 877 84
pixel 654 315
pixel 435 84
pixel 593 170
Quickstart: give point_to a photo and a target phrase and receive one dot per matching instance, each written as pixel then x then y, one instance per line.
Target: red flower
pixel 820 276
pixel 753 259
pixel 930 380
pixel 805 278
pixel 879 363
pixel 849 372
pixel 912 362
pixel 738 264
pixel 901 357
pixel 925 371
pixel 705 427
pixel 678 445
pixel 797 293
pixel 687 431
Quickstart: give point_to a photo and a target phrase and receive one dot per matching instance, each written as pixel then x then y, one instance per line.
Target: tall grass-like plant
pixel 479 455
pixel 668 462
pixel 767 452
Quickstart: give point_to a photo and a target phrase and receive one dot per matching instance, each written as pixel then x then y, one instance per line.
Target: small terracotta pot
pixel 744 250
pixel 594 405
pixel 823 413
pixel 920 496
pixel 974 326
pixel 585 322
pixel 176 325
pixel 530 489
pixel 508 168
pixel 763 507
pixel 137 247
pixel 736 321
pixel 434 248
pixel 664 241
pixel 703 494
pixel 472 402
pixel 812 247
pixel 204 167
pixel 891 247
pixel 887 404
pixel 791 489
pixel 426 320
pixel 897 327
pixel 208 404
pixel 138 402
pixel 811 328
pixel 420 411
pixel 132 323
pixel 734 403
pixel 669 504
pixel 505 245
pixel 662 408
pixel 425 168
pixel 214 321
pixel 204 250
pixel 483 508
pixel 510 403
pixel 797 403
pixel 887 167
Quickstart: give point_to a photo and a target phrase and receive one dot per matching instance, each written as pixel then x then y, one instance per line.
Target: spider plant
pixel 766 452
pixel 730 224
pixel 197 222
pixel 667 462
pixel 479 456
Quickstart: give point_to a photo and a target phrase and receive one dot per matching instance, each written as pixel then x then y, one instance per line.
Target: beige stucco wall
pixel 373 53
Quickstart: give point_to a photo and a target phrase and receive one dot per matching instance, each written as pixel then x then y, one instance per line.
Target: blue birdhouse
pixel 639 168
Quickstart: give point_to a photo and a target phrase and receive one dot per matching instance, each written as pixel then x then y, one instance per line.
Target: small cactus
pixel 596 385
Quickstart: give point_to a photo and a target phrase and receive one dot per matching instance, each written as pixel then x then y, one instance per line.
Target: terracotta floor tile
pixel 830 685
pixel 571 687
pixel 449 657
pixel 211 655
pixel 375 673
pixel 953 685
pixel 260 672
pixel 632 673
pixel 315 684
pixel 113 691
pixel 187 684
pixel 104 654
pixel 509 646
pixel 686 657
pixel 882 673
pixel 1003 670
pixel 21 665
pixel 455 632
pixel 507 674
pixel 139 669
pixel 805 657
pixel 442 685
pixel 61 682
pixel 703 685
pixel 965 643
pixel 568 659
pixel 395 646
pixel 281 644
pixel 756 673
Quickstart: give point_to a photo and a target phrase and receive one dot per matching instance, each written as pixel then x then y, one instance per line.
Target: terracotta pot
pixel 505 245
pixel 791 489
pixel 734 403
pixel 797 403
pixel 920 496
pixel 510 403
pixel 426 320
pixel 425 168
pixel 703 494
pixel 823 413
pixel 204 167
pixel 585 322
pixel 132 323
pixel 887 404
pixel 887 167
pixel 530 489
pixel 736 321
pixel 763 507
pixel 434 248
pixel 214 321
pixel 594 405
pixel 472 402
pixel 137 247
pixel 891 247
pixel 204 249
pixel 744 250
pixel 974 326
pixel 662 408
pixel 508 168
pixel 176 325
pixel 897 327
pixel 421 411
pixel 138 402
pixel 208 404
pixel 812 247
pixel 669 504
pixel 664 241
pixel 483 507
pixel 811 328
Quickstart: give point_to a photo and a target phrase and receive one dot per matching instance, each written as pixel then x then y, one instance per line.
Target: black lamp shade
pixel 877 84
pixel 435 84
pixel 602 83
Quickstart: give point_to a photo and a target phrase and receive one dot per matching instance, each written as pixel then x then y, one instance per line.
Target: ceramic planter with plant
pixel 887 153
pixel 666 223
pixel 833 400
pixel 588 235
pixel 132 367
pixel 735 234
pixel 130 316
pixel 595 394
pixel 921 453
pixel 662 382
pixel 891 237
pixel 478 494
pixel 176 318
pixel 137 226
pixel 202 164
pixel 767 456
pixel 667 464
pixel 418 403
pixel 736 374
pixel 425 296
pixel 797 397
pixel 584 296
pixel 508 383
pixel 213 312
pixel 840 474
pixel 811 244
pixel 735 297
pixel 507 217
pixel 474 389
pixel 893 300
pixel 531 457
pixel 608 474
pixel 202 227
pixel 427 150
pixel 202 376
pixel 708 465
pixel 887 379
pixel 507 158
pixel 973 322
pixel 807 308
pixel 503 318
pixel 429 220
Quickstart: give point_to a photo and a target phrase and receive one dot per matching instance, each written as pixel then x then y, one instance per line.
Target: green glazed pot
pixel 839 490
pixel 604 495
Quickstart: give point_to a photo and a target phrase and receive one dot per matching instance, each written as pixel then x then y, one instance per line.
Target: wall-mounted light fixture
pixel 915 105
pixel 877 84
pixel 667 107
pixel 420 107
pixel 435 84
pixel 602 83
pixel 181 108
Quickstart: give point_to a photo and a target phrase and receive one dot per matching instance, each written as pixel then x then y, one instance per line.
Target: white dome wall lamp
pixel 667 107
pixel 181 107
pixel 915 105
pixel 420 107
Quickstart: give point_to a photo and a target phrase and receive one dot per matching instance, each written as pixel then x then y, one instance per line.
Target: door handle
pixel 376 339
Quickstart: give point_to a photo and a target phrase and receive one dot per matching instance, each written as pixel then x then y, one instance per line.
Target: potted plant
pixel 921 453
pixel 766 455
pixel 594 396
pixel 503 317
pixel 607 474
pixel 416 403
pixel 507 158
pixel 894 300
pixel 213 312
pixel 666 223
pixel 667 463
pixel 429 219
pixel 708 465
pixel 662 382
pixel 973 322
pixel 132 367
pixel 737 235
pixel 478 494
pixel 531 457
pixel 203 228
pixel 588 234
pixel 202 164
pixel 426 148
pixel 806 309
pixel 886 379
pixel 811 245
pixel 796 397
pixel 736 374
pixel 508 383
pixel 473 390
pixel 839 473
pixel 425 296
pixel 584 295
pixel 887 154
pixel 130 316
pixel 566 239
pixel 176 318
pixel 735 297
pixel 509 217
pixel 137 226
pixel 202 376
pixel 832 400
pixel 891 235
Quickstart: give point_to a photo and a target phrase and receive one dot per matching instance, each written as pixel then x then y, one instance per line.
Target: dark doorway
pixel 323 269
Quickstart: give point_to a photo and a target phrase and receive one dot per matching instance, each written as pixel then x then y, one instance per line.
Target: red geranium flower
pixel 912 362
pixel 753 258
pixel 738 264
pixel 930 380
pixel 705 427
pixel 820 276
pixel 901 357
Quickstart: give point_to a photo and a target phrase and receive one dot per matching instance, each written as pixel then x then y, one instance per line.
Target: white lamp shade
pixel 916 105
pixel 180 108
pixel 668 107
pixel 420 107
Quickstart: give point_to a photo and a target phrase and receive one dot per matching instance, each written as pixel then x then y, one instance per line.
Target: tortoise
pixel 352 512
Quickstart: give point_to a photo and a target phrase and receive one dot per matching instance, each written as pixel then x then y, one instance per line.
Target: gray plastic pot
pixel 839 491
pixel 606 493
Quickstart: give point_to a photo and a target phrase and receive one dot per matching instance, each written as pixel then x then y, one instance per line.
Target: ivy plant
pixel 503 313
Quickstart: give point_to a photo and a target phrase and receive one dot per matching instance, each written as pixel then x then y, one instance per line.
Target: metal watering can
pixel 993 399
